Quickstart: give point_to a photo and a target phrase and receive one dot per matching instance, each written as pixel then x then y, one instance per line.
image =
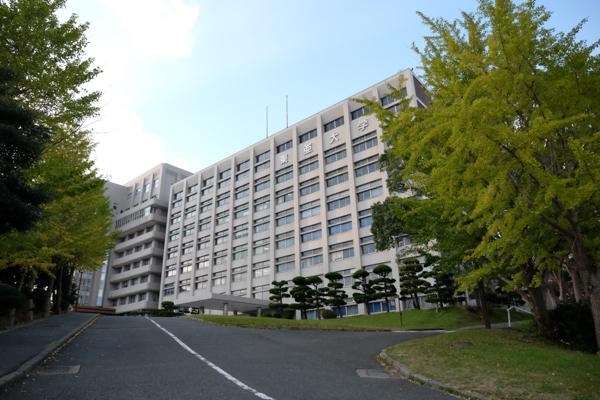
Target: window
pixel 365 218
pixel 262 183
pixel 142 296
pixel 338 200
pixel 222 237
pixel 309 186
pixel 205 224
pixel 172 252
pixel 286 263
pixel 240 231
pixel 311 232
pixel 263 166
pixel 192 189
pixel 242 175
pixel 311 257
pixel 365 142
pixel 285 146
pixel 220 257
pixel 205 206
pixel 308 136
pixel 261 292
pixel 284 174
pixel 192 197
pixel 188 230
pixel 129 196
pixel 170 270
pixel 208 181
pixel 262 203
pixel 358 113
pixel 225 183
pixel 284 217
pixel 201 282
pixel 186 266
pixel 336 176
pixel 284 240
pixel 261 224
pixel 208 190
pixel 146 188
pixel 309 209
pixel 243 166
pixel 177 196
pixel 177 203
pixel 389 99
pixel 223 199
pixel 239 292
pixel 341 251
pixel 242 191
pixel 156 182
pixel 187 248
pixel 261 246
pixel 333 124
pixel 239 274
pixel 169 289
pixel 309 164
pixel 138 191
pixel 222 218
pixel 204 242
pixel 366 166
pixel 190 212
pixel 335 154
pixel 284 195
pixel 225 174
pixel 219 278
pixel 240 252
pixel 261 269
pixel 404 241
pixel 365 193
pixel 367 246
pixel 174 235
pixel 340 225
pixel 241 211
pixel 202 261
pixel 263 156
pixel 396 108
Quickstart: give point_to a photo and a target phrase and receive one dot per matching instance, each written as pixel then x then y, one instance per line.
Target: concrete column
pixel 258 311
pixel 201 310
pixel 225 312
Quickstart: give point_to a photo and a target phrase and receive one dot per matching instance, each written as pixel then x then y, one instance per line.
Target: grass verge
pixel 503 363
pixel 446 318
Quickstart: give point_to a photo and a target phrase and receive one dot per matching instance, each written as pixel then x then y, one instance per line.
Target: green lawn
pixel 503 363
pixel 446 318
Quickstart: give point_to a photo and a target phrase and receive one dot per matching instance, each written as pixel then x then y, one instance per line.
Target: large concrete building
pixel 297 203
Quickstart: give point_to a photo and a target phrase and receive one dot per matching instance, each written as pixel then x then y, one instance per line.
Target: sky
pixel 187 82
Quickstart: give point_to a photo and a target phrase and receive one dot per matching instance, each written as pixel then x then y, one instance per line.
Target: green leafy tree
pixel 279 292
pixel 316 293
pixel 364 289
pixel 384 286
pixel 300 295
pixel 336 294
pixel 442 290
pixel 411 282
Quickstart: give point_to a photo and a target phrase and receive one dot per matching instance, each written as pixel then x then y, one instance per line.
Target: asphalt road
pixel 131 358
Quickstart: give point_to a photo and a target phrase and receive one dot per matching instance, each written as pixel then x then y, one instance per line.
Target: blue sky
pixel 187 82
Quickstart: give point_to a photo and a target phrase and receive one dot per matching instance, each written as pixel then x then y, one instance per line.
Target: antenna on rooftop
pixel 267 121
pixel 286 111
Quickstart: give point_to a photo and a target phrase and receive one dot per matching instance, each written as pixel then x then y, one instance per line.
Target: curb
pixel 406 373
pixel 13 377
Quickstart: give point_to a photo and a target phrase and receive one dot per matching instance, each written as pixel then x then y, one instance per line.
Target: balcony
pixel 138 305
pixel 135 289
pixel 150 252
pixel 134 273
pixel 155 234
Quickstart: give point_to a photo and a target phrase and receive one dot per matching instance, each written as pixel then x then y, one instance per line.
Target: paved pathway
pixel 132 357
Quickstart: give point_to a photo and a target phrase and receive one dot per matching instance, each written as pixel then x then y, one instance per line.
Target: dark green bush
pixel 266 315
pixel 166 313
pixel 328 314
pixel 289 315
pixel 277 315
pixel 11 297
pixel 573 326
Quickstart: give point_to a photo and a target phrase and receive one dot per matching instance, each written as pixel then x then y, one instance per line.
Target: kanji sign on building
pixel 362 125
pixel 308 148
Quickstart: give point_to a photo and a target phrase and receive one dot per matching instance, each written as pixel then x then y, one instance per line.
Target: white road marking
pixel 213 366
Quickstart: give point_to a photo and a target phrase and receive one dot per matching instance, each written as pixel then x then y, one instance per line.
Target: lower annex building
pixel 297 203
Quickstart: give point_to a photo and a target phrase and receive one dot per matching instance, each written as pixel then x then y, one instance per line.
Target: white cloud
pixel 156 27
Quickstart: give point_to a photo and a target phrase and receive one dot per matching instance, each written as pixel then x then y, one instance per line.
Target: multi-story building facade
pixel 297 203
pixel 131 278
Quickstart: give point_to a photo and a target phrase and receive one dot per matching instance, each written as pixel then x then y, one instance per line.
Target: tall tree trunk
pixel 484 308
pixel 477 298
pixel 537 301
pixel 13 311
pixel 30 283
pixel 578 289
pixel 339 308
pixel 48 298
pixel 58 298
pixel 553 298
pixel 367 308
pixel 560 279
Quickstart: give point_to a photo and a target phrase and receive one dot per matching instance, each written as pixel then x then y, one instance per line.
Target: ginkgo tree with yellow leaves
pixel 509 145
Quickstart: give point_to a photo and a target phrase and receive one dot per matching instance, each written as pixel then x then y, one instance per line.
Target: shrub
pixel 166 313
pixel 277 315
pixel 573 326
pixel 267 315
pixel 11 297
pixel 289 315
pixel 328 314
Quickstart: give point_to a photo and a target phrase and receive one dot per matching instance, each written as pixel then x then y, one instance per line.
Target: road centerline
pixel 213 366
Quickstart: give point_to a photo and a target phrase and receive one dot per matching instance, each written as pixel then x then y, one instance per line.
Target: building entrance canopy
pixel 216 301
